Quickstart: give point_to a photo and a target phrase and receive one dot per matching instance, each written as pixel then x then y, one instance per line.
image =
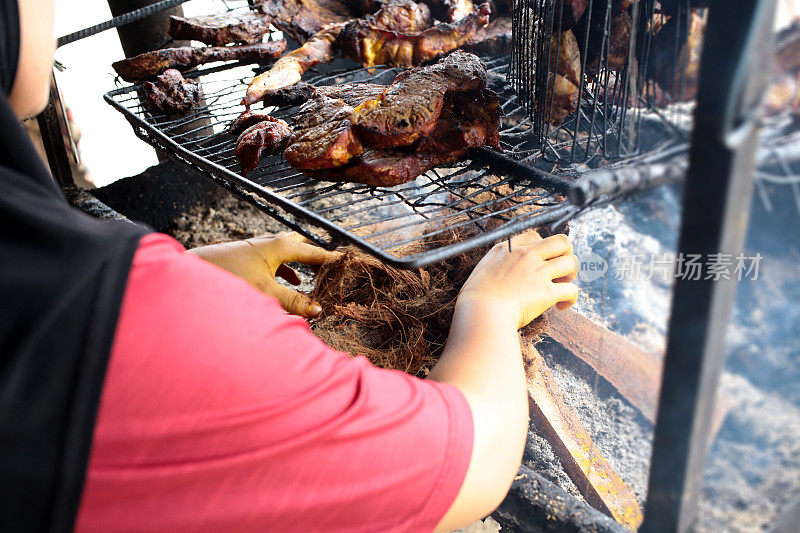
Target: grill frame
pixel 521 158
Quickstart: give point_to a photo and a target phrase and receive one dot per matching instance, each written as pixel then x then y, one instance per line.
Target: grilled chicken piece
pixel 405 16
pixel 366 43
pixel 269 135
pixel 678 74
pixel 218 30
pixel 450 10
pixel 561 99
pixel 619 35
pixel 394 15
pixel 565 57
pixel 288 69
pixel 468 119
pixel 150 64
pixel 410 107
pixel 322 126
pixel 302 19
pixel 493 39
pixel 171 93
pixel 245 120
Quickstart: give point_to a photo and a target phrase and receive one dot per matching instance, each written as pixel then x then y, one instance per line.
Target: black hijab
pixel 62 277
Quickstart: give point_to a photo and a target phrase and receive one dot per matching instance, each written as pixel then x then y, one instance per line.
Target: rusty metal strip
pixel 635 373
pixel 592 474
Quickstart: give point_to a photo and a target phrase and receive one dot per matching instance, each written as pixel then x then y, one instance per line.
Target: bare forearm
pixel 482 359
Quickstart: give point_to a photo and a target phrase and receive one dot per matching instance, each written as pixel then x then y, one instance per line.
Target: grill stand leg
pixel 53 140
pixel 716 205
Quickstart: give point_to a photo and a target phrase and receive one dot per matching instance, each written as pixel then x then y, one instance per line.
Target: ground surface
pixel 754 467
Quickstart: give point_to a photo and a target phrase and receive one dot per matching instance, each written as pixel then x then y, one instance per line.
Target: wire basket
pixel 585 70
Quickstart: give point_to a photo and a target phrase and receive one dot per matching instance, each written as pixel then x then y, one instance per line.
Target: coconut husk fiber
pixel 398 319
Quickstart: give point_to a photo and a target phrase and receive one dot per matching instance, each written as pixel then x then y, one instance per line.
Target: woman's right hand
pixel 535 275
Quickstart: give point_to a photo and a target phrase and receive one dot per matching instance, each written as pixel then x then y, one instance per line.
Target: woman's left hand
pixel 260 259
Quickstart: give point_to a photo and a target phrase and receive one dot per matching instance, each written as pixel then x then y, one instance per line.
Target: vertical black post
pixel 53 140
pixel 716 203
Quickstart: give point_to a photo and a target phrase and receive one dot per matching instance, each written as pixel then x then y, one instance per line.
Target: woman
pixel 146 388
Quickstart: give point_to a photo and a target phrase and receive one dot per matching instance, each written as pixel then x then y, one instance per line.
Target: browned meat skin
pixel 561 99
pixel 288 96
pixel 302 19
pixel 218 30
pixel 572 11
pixel 245 120
pixel 450 10
pixel 493 39
pixel 402 15
pixel 288 69
pixel 370 45
pixel 269 135
pixel 783 94
pixel 323 137
pixel 565 57
pixel 679 79
pixel 619 36
pixel 410 107
pixel 150 64
pixel 171 93
pixel 468 120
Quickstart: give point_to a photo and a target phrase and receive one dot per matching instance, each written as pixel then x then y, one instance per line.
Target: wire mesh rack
pixel 466 197
pixel 486 197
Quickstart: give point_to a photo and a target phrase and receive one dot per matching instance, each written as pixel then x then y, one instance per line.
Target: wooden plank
pixel 635 373
pixel 592 474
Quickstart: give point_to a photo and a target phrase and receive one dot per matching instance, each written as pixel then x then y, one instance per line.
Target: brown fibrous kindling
pixel 398 319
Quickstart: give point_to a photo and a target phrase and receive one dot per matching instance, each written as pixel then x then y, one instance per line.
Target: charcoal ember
pixel 150 64
pixel 402 16
pixel 171 93
pixel 269 135
pixel 493 39
pixel 410 107
pixel 246 27
pixel 675 57
pixel 369 44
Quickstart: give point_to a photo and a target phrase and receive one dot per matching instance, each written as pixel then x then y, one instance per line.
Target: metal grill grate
pixel 488 196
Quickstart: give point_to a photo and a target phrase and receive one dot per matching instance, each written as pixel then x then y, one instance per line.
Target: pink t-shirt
pixel 221 412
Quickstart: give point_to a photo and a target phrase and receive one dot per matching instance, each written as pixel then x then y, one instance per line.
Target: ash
pixel 753 469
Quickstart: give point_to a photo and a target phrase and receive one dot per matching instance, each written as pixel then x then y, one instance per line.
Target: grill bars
pixel 610 97
pixel 466 196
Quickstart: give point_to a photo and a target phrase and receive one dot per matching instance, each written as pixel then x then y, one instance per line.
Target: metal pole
pixel 150 33
pixel 716 204
pixel 53 140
